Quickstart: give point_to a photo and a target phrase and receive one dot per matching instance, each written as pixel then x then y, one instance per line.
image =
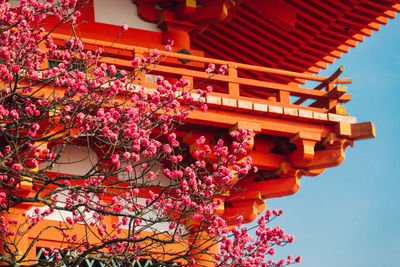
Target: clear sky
pixel 350 214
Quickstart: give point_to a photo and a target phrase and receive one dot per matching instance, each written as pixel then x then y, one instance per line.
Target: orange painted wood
pixel 201 241
pixel 326 159
pixel 284 97
pixel 22 242
pixel 267 189
pixel 233 88
pixel 304 152
pixel 253 56
pixel 332 97
pixel 274 126
pixel 325 83
pixel 297 91
pixel 201 59
pixel 317 39
pixel 314 18
pixel 265 160
pixel 242 26
pixel 52 238
pixel 363 130
pixel 331 78
pixel 249 208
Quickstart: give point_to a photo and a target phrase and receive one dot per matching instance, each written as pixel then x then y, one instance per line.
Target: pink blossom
pixel 69 220
pixel 14 114
pixel 17 167
pixel 37 211
pixel 128 169
pixel 136 136
pixel 115 160
pixel 151 175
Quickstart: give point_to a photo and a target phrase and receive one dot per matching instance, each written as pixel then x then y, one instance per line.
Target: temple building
pixel 273 50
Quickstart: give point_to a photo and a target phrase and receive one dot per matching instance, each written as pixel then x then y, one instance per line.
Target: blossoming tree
pixel 132 191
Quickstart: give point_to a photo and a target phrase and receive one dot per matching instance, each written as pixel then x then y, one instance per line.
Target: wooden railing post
pixel 45 63
pixel 332 91
pixel 283 97
pixel 335 92
pixel 332 100
pixel 141 74
pixel 233 87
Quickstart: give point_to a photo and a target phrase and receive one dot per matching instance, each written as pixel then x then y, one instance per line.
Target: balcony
pixel 273 93
pixel 298 131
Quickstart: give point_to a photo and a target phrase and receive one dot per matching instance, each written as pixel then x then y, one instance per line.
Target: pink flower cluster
pixel 144 173
pixel 239 248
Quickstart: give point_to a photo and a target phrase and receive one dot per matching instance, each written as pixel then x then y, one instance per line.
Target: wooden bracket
pixel 326 158
pixel 256 127
pixel 343 129
pixel 248 188
pixel 265 160
pixel 304 153
pixel 191 138
pixel 339 109
pixel 314 172
pixel 249 208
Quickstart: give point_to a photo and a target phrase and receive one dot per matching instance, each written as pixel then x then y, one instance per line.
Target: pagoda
pixel 273 50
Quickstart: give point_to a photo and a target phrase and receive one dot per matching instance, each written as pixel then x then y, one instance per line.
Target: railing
pixel 278 89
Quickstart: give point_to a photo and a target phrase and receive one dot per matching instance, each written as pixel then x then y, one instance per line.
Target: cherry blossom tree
pixel 132 191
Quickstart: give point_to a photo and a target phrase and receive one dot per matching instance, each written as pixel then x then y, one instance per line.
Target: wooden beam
pixel 260 40
pixel 265 160
pixel 269 125
pixel 363 130
pixel 250 52
pixel 267 189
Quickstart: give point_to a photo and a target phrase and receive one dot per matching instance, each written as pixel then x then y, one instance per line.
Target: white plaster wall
pixel 151 214
pixel 115 12
pixel 75 160
pixel 57 215
pixel 14 3
pixel 60 215
pixel 157 169
pixel 120 12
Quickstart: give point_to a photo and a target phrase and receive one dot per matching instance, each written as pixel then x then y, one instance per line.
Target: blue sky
pixel 350 215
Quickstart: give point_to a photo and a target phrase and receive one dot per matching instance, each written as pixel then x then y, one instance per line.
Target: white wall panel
pixel 75 160
pixel 120 12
